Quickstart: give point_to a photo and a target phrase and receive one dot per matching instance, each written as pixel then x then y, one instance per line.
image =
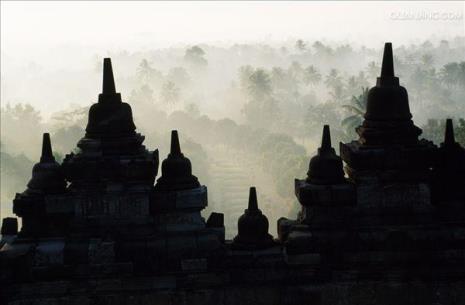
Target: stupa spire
pixel 253 205
pixel 175 147
pixel 109 117
pixel 449 137
pixel 326 140
pixel 387 77
pixel 387 68
pixel 47 155
pixel 108 86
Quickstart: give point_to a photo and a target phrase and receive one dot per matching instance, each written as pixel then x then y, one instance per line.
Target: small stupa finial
pixel 47 155
pixel 387 68
pixel 449 137
pixel 108 79
pixel 175 147
pixel 253 204
pixel 387 77
pixel 176 169
pixel 252 227
pixel 326 166
pixel 326 139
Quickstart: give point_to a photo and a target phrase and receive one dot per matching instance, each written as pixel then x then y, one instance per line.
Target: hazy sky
pixel 37 26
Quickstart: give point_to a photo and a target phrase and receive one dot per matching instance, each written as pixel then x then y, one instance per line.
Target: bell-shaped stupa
pixel 388 119
pixel 326 166
pixel 252 227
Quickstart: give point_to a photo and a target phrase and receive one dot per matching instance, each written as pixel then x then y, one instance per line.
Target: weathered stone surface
pixel 414 161
pixel 58 204
pixel 180 200
pixel 196 264
pixel 393 195
pixel 49 252
pixel 326 195
pixel 101 252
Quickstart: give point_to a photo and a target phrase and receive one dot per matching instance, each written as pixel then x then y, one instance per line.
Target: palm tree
pixel 280 79
pixel 74 116
pixel 450 74
pixel 322 50
pixel 146 74
pixel 333 79
pixel 195 56
pixel 312 76
pixel 357 108
pixel 296 72
pixel 462 74
pixel 259 84
pixel 353 85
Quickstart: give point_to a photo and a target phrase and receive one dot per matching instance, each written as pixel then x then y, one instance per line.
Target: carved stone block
pixel 310 194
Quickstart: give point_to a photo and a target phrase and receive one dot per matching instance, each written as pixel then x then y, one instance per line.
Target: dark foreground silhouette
pixel 97 229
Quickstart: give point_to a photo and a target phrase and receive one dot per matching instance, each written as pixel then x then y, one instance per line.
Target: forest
pixel 247 114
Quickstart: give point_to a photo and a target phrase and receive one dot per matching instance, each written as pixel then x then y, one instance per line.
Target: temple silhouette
pixel 383 222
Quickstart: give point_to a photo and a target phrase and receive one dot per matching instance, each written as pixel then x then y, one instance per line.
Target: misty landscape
pixel 232 152
pixel 248 98
pixel 247 114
